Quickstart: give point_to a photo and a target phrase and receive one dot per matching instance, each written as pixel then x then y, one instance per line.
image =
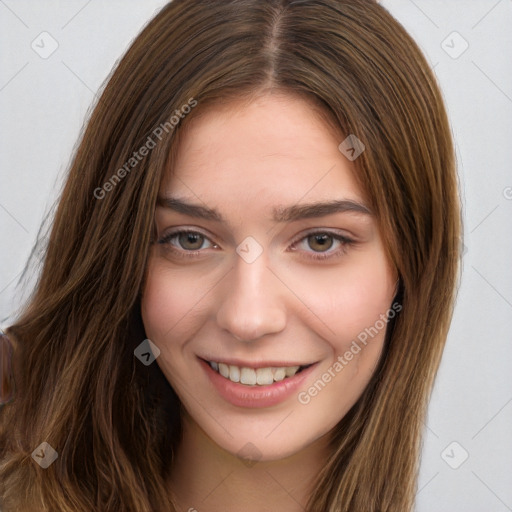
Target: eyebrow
pixel 280 213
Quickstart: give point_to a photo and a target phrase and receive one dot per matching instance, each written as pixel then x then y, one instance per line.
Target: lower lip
pixel 241 395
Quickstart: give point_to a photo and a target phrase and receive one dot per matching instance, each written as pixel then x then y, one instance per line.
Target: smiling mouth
pixel 255 377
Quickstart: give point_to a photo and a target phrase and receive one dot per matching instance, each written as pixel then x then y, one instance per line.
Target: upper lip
pixel 255 365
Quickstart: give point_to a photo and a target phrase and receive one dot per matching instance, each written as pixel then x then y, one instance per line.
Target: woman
pixel 250 275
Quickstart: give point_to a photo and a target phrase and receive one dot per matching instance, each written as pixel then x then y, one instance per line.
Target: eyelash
pixel 316 256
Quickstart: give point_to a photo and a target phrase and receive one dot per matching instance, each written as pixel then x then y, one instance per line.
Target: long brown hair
pixel 114 422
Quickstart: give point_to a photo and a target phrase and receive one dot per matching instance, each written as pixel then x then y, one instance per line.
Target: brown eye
pixel 190 241
pixel 187 241
pixel 321 245
pixel 320 242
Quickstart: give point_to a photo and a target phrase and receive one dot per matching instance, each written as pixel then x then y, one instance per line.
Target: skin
pixel 244 160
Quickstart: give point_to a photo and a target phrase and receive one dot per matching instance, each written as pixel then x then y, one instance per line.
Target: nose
pixel 252 301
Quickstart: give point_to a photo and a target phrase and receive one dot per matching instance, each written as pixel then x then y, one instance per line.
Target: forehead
pixel 274 150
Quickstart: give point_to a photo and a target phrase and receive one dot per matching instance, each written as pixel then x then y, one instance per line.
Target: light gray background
pixel 43 104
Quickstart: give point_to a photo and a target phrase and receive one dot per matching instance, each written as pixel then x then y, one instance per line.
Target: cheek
pixel 349 304
pixel 345 301
pixel 168 307
pixel 354 306
pixel 167 302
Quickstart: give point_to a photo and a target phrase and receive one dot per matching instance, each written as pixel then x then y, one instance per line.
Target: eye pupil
pixel 320 242
pixel 195 239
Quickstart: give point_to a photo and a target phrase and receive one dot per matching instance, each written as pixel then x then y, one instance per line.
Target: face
pixel 268 286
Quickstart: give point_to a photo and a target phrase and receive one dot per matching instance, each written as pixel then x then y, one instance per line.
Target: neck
pixel 207 478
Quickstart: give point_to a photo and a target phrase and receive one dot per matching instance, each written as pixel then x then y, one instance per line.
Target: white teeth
pixel 264 376
pixel 252 377
pixel 224 370
pixel 279 374
pixel 234 373
pixel 291 370
pixel 248 376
